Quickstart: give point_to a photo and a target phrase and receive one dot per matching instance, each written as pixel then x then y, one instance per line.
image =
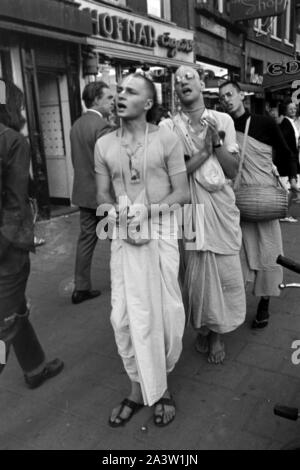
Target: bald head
pixel 185 70
pixel 188 85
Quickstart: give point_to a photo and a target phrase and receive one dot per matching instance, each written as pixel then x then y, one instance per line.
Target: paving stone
pixel 261 356
pixel 264 423
pixel 272 387
pixel 228 406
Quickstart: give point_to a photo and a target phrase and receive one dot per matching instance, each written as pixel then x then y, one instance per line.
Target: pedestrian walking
pixel 99 101
pixel 145 165
pixel 213 285
pixel 262 241
pixel 16 241
pixel 291 135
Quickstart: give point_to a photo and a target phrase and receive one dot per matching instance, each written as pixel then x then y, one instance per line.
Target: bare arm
pixel 103 190
pixel 179 195
pixel 196 161
pixel 228 162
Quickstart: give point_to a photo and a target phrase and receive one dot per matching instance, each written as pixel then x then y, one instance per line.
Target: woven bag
pixel 262 203
pixel 259 203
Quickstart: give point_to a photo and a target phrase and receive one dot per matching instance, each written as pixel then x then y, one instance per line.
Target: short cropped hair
pixel 151 115
pixel 284 106
pixel 231 82
pixel 91 91
pixel 11 109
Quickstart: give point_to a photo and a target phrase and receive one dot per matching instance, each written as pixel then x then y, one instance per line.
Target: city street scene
pixel 150 227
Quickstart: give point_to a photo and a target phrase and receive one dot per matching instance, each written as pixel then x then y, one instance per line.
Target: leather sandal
pixel 119 421
pixel 159 418
pixel 262 315
pixel 257 324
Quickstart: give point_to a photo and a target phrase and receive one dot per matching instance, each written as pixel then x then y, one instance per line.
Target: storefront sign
pixel 278 68
pixel 249 9
pixel 123 29
pixel 184 45
pixel 279 74
pixel 118 28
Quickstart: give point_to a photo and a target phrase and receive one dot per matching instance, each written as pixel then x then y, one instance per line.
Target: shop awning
pixel 20 28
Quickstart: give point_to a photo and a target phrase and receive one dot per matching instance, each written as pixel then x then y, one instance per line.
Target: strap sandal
pixel 257 324
pixel 159 418
pixel 262 315
pixel 119 421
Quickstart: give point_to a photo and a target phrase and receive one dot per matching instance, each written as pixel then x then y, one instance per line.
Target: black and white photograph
pixel 149 227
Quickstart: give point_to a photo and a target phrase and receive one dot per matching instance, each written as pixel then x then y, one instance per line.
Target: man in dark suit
pixel 99 101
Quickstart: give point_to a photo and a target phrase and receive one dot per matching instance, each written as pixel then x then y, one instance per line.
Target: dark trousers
pixel 15 327
pixel 85 248
pixel 22 337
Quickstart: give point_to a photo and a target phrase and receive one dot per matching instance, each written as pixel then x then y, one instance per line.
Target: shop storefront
pixel 40 51
pixel 124 42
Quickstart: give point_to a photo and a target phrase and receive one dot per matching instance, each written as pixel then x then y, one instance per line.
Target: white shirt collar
pixel 295 128
pixel 95 111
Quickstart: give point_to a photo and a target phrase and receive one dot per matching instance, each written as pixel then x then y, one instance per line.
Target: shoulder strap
pixel 242 159
pixel 183 132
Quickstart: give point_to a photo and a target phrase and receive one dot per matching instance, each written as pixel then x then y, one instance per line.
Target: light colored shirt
pixel 164 156
pixel 297 135
pixel 90 110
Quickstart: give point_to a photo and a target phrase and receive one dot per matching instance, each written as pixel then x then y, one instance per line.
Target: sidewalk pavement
pixel 227 406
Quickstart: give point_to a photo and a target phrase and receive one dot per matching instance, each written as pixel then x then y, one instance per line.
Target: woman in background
pixel 291 135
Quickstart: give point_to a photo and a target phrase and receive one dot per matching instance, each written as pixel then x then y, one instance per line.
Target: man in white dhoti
pixel 213 285
pixel 145 165
pixel 262 241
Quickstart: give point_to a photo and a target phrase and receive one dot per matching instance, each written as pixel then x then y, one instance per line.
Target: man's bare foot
pixel 216 353
pixel 122 413
pixel 202 344
pixel 164 410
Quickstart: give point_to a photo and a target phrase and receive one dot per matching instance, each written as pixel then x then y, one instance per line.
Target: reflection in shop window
pixel 159 8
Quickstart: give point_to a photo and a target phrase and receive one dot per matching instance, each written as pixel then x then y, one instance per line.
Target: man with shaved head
pixel 213 284
pixel 145 165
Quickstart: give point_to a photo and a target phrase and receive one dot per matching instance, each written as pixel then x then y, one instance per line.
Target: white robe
pixel 147 309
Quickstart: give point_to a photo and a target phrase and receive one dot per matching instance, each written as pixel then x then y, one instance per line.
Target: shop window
pixel 289 24
pixel 279 27
pixel 159 8
pixel 219 5
pixel 5 64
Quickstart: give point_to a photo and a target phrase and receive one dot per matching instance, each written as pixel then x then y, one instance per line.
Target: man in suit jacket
pixel 291 136
pixel 99 101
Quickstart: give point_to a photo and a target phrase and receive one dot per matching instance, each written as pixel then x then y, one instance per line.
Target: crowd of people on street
pixel 165 194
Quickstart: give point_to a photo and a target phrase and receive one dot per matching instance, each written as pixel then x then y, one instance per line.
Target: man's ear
pixel 242 95
pixel 148 104
pixel 202 84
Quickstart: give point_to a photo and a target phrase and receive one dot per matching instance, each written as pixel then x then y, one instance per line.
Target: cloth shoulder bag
pixel 259 203
pixel 210 174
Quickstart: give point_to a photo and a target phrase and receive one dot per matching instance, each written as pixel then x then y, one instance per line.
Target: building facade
pixel 52 48
pixel 131 35
pixel 245 48
pixel 40 51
